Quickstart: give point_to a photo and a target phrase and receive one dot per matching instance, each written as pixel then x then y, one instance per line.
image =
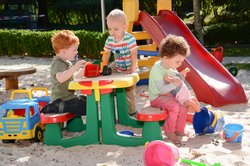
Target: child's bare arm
pixel 67 74
pixel 133 66
pixel 133 60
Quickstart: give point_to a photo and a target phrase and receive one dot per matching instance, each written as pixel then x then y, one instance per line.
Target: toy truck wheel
pixel 233 70
pixel 38 135
pixel 8 141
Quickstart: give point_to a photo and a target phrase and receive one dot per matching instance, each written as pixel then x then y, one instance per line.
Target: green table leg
pixel 109 135
pixel 52 134
pixel 122 110
pixel 75 125
pixel 91 135
pixel 152 131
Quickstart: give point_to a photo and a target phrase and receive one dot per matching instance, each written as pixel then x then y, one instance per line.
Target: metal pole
pixel 103 16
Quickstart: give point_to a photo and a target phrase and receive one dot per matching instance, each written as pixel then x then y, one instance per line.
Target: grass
pixel 243 66
pixel 237 51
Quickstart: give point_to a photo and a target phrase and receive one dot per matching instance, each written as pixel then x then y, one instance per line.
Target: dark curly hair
pixel 173 45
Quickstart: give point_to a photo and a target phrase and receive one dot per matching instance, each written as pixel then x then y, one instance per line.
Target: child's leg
pixel 130 93
pixel 130 96
pixel 76 105
pixel 181 120
pixel 169 103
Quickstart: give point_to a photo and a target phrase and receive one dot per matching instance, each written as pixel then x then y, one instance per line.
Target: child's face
pixel 116 28
pixel 173 62
pixel 71 52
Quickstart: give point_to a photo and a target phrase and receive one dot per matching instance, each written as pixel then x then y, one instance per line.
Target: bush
pixel 38 44
pixel 225 33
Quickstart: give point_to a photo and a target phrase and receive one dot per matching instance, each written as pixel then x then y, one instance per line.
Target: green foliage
pixel 91 43
pixel 37 43
pixel 149 6
pixel 78 12
pixel 225 33
pixel 237 50
pixel 24 42
pixel 243 66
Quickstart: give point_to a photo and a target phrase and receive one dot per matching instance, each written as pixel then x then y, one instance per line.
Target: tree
pixel 42 21
pixel 197 20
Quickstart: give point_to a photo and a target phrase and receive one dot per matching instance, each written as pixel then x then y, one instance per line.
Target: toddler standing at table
pixel 123 46
pixel 65 45
pixel 162 94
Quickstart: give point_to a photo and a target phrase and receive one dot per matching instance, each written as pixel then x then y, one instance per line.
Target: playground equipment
pixel 145 64
pixel 207 75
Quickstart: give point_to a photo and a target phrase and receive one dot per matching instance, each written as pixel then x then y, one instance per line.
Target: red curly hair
pixel 63 40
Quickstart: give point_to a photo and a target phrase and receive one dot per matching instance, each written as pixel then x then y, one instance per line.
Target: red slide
pixel 211 82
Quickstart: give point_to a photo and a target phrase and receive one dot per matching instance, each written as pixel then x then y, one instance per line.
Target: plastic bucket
pixel 159 153
pixel 204 121
pixel 233 132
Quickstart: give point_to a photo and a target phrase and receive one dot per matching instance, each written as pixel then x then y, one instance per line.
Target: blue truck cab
pixel 20 119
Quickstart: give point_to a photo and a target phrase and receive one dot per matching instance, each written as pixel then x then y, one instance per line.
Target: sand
pixel 198 148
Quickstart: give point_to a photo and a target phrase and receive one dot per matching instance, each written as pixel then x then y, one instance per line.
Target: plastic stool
pixel 151 117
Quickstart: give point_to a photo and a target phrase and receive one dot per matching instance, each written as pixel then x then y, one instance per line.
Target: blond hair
pixel 173 45
pixel 117 14
pixel 63 40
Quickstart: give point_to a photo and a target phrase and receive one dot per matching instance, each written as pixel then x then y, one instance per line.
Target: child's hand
pixel 128 72
pixel 184 72
pixel 176 81
pixel 168 78
pixel 79 64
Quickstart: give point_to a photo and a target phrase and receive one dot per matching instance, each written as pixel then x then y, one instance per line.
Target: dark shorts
pixel 75 105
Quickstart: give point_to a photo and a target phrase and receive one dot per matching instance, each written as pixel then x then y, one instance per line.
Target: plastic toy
pixel 24 125
pixel 218 53
pixel 126 132
pixel 158 153
pixel 20 118
pixel 96 69
pixel 233 132
pixel 42 100
pixel 191 162
pixel 204 121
